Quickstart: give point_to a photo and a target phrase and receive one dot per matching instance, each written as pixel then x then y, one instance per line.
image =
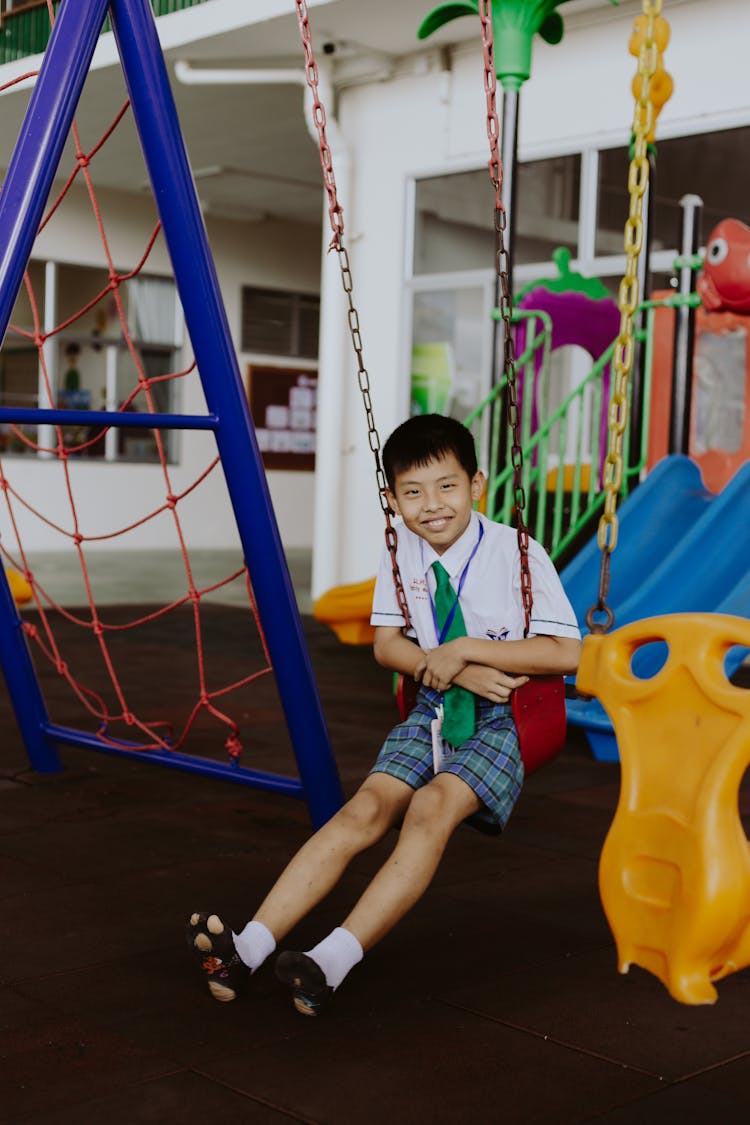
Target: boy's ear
pixel 478 484
pixel 392 504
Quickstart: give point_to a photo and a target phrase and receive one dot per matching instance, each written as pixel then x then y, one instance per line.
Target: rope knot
pixel 129 718
pixel 233 746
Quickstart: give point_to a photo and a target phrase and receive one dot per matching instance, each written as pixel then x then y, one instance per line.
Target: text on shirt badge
pixel 418 587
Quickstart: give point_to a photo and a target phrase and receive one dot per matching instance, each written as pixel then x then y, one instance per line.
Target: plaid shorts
pixel 489 762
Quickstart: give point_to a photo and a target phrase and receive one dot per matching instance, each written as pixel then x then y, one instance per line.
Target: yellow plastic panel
pixel 346 610
pixel 674 873
pixel 19 587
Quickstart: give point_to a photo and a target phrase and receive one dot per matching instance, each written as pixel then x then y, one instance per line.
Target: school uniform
pixel 484 565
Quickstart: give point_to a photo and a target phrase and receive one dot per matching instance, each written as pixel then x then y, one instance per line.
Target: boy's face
pixel 436 500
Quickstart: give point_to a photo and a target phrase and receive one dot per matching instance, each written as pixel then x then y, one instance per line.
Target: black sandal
pixel 310 992
pixel 212 944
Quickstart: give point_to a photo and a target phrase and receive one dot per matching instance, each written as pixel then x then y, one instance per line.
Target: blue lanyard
pixel 443 633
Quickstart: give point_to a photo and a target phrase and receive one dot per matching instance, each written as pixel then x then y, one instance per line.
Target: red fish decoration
pixel 725 280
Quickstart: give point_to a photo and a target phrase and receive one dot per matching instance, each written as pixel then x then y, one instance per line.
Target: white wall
pixel 425 121
pixel 109 495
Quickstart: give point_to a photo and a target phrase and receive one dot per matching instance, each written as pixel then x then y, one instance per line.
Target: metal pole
pixel 684 329
pixel 176 198
pixel 509 157
pixel 27 185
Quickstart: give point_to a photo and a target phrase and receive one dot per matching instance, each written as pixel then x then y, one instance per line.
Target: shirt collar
pixel 455 558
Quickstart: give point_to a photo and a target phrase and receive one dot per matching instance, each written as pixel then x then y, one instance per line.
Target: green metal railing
pixel 25 31
pixel 564 497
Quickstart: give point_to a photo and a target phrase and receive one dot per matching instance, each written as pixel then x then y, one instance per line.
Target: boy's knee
pixel 366 815
pixel 440 806
pixel 428 808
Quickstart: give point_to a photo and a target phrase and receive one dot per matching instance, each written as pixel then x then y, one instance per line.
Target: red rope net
pixel 116 717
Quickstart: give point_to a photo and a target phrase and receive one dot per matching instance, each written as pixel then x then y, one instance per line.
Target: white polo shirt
pixel 491 595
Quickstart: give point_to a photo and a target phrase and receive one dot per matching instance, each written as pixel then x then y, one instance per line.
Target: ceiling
pixel 249 146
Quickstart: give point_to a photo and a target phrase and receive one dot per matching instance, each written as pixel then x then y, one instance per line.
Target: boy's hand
pixel 440 666
pixel 490 683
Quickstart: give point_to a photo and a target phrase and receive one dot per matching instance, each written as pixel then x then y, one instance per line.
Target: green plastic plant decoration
pixel 567 281
pixel 514 25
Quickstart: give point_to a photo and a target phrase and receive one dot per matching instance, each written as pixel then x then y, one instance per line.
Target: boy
pixel 468 654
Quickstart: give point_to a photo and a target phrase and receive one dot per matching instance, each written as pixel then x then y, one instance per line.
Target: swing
pixel 674 872
pixel 539 705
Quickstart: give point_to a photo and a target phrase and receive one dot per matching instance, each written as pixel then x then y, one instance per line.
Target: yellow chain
pixel 622 363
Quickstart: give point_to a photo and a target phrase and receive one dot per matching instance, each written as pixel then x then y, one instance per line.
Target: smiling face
pixel 435 500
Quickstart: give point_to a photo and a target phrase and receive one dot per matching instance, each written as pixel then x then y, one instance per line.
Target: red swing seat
pixel 538 712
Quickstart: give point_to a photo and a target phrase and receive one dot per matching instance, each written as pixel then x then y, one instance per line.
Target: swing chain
pixel 638 177
pixel 336 220
pixel 502 266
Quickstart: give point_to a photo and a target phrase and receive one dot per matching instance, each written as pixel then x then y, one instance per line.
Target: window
pixel 448 365
pixel 275 322
pixel 454 227
pixel 548 193
pixel 89 364
pixel 719 398
pixel 450 288
pixel 715 166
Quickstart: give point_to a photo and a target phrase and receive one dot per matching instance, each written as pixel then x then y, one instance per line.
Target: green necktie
pixel 459 721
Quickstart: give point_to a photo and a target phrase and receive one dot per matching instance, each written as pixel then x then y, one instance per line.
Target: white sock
pixel 254 944
pixel 336 955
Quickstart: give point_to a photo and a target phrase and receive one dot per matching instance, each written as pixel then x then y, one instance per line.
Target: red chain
pixel 336 219
pixel 502 265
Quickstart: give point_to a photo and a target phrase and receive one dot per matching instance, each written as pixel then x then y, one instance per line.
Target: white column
pixel 334 360
pixel 588 210
pixel 110 438
pixel 46 434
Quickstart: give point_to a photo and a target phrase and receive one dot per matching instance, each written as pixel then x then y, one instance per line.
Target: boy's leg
pixel 434 812
pixel 319 864
pixel 316 868
pixel 431 819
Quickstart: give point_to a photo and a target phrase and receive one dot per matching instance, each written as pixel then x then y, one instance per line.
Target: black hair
pixel 424 438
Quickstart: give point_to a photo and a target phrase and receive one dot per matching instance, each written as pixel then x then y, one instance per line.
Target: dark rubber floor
pixel 496 1000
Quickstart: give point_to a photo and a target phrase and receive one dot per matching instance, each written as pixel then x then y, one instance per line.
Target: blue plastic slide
pixel 680 549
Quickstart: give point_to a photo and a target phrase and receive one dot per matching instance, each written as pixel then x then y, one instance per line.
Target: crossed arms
pixel 488 668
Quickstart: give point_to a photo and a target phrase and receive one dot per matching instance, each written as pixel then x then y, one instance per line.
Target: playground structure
pixel 556 478
pixel 653 858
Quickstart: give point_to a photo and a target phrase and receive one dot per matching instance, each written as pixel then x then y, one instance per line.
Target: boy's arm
pixel 395 651
pixel 534 656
